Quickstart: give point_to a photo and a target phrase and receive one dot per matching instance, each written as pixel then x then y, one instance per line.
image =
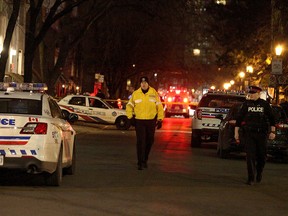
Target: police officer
pixel 257 121
pixel 145 112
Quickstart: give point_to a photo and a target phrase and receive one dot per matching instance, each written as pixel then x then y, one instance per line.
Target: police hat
pixel 254 89
pixel 144 79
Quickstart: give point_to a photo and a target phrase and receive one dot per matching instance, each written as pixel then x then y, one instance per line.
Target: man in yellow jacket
pixel 145 112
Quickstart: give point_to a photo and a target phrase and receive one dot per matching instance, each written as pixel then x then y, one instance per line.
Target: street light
pixel 277 69
pixel 249 70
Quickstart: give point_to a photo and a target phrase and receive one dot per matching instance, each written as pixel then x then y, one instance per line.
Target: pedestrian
pixel 145 112
pixel 258 123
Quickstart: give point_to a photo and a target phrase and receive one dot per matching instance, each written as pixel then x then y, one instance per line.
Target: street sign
pixel 276 66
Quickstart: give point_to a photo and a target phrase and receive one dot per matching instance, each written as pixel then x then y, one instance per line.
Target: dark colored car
pixel 277 148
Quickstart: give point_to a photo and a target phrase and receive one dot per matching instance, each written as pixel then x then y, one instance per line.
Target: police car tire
pixel 122 123
pixel 55 178
pixel 71 169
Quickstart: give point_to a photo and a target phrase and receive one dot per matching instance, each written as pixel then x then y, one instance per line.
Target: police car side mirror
pixel 72 117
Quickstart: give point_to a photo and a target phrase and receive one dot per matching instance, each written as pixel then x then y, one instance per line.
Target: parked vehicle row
pixel 215 119
pixel 276 149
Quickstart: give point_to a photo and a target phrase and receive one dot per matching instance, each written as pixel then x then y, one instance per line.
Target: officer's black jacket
pixel 255 114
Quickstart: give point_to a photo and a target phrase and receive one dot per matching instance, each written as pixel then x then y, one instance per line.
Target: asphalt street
pixel 179 180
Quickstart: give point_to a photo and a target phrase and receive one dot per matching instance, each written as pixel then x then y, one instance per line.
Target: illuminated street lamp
pixel 277 69
pixel 226 86
pixel 278 50
pixel 249 70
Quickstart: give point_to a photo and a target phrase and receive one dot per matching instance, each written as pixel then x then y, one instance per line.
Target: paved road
pixel 179 180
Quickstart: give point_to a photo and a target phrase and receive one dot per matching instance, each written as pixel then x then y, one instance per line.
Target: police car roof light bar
pixel 40 87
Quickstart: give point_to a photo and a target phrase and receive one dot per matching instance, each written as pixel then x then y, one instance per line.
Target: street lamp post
pixel 277 70
pixel 249 70
pixel 241 75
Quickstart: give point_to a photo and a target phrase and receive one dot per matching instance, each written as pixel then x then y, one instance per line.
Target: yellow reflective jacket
pixel 145 106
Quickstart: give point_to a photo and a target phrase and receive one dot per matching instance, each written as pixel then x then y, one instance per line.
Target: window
pixel 20 106
pixel 223 101
pixel 97 103
pixel 80 101
pixel 55 109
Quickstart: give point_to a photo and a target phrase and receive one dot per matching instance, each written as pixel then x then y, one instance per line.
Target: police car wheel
pixel 122 123
pixel 55 178
pixel 71 169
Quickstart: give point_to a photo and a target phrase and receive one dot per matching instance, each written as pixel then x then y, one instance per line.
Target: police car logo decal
pixel 114 113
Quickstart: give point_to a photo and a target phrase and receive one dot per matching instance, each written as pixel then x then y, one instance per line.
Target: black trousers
pixel 256 149
pixel 145 130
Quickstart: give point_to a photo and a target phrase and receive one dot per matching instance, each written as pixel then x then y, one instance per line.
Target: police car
pixel 94 109
pixel 34 134
pixel 212 107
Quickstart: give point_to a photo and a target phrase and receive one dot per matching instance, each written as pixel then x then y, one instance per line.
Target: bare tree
pixel 34 34
pixel 8 37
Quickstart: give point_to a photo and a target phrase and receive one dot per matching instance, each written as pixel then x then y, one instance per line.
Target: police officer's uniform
pixel 147 109
pixel 255 117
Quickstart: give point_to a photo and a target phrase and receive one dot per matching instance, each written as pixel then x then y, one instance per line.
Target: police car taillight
pixel 34 128
pixel 281 126
pixel 199 114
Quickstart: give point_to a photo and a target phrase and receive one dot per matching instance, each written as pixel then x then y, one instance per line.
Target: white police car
pixel 212 107
pixel 34 133
pixel 94 109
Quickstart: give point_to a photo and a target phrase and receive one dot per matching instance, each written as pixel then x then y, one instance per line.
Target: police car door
pixel 100 111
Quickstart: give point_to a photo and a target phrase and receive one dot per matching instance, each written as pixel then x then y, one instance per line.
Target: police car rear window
pixel 20 106
pixel 223 101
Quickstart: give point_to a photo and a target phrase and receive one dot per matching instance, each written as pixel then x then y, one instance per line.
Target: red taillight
pixel 281 126
pixel 199 114
pixel 34 128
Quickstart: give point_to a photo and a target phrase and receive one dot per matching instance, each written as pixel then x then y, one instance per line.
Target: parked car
pixel 94 109
pixel 206 120
pixel 35 135
pixel 277 148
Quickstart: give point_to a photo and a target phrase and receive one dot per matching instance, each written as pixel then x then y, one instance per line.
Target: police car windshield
pixel 20 106
pixel 223 101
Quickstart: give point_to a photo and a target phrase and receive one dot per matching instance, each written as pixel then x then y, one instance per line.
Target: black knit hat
pixel 144 79
pixel 254 89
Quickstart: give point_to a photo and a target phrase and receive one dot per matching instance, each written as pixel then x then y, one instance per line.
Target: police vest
pixel 255 117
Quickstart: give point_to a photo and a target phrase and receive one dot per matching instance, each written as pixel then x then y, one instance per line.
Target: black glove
pixel 159 124
pixel 132 121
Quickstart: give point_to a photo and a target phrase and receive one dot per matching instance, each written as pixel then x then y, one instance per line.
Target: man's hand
pixel 272 135
pixel 236 135
pixel 159 124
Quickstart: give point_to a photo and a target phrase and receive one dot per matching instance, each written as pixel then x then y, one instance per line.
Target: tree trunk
pixel 8 37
